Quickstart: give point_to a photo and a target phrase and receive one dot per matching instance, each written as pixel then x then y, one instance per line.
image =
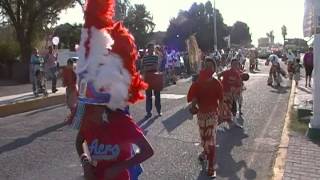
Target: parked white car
pixel 64 55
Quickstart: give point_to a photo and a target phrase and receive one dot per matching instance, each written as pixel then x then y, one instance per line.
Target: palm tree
pixel 270 35
pixel 140 23
pixel 284 33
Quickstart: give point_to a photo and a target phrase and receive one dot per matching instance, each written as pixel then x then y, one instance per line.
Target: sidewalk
pixel 17 98
pixel 302 161
pixel 8 87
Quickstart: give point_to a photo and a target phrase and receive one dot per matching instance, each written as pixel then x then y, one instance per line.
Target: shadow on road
pixel 27 140
pixel 304 89
pixel 228 167
pixel 148 123
pixel 45 109
pixel 177 119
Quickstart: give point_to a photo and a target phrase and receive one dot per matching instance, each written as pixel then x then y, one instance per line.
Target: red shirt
pixel 110 142
pixel 69 77
pixel 231 79
pixel 208 93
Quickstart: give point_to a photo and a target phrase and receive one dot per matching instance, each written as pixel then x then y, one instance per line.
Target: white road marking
pixel 258 75
pixel 172 96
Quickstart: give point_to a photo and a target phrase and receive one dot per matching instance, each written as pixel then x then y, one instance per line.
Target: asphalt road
pixel 37 146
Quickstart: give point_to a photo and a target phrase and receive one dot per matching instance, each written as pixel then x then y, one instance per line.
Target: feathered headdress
pixel 107 55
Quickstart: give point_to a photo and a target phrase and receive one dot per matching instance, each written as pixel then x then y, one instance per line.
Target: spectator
pixel 296 71
pixel 35 66
pixel 170 66
pixel 160 54
pixel 150 64
pixel 51 64
pixel 291 59
pixel 308 65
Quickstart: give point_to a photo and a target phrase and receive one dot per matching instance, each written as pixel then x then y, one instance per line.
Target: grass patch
pixel 296 125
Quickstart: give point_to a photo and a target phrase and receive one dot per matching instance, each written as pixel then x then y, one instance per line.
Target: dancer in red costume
pixel 206 94
pixel 232 84
pixel 108 82
pixel 70 82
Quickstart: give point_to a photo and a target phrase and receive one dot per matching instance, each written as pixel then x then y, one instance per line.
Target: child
pixel 69 81
pixel 296 70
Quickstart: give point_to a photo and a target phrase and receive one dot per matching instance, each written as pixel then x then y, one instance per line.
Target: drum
pixel 245 76
pixel 155 80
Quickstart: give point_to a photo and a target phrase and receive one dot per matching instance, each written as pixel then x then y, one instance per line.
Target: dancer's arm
pixel 85 161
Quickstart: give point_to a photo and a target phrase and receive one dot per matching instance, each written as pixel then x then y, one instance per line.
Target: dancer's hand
pixel 88 171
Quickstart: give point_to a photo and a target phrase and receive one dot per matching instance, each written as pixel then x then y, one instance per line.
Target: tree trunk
pixel 21 68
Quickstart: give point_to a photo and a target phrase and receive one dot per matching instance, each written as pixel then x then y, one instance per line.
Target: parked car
pixel 64 55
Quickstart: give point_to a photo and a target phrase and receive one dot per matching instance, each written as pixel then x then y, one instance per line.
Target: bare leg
pixel 211 160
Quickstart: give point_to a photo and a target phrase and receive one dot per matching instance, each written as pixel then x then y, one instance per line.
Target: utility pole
pixel 215 26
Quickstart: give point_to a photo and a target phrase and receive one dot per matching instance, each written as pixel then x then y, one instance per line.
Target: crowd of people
pixel 219 100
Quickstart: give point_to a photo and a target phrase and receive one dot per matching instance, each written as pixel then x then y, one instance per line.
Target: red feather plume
pixel 99 14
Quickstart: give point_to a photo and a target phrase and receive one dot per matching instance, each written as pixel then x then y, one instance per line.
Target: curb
pixel 279 165
pixel 29 105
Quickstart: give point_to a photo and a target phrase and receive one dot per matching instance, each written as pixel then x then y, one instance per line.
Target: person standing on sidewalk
pixel 150 64
pixel 291 59
pixel 296 70
pixel 35 62
pixel 308 65
pixel 205 95
pixel 51 64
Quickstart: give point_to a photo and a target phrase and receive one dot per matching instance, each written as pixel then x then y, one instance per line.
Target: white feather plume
pixel 104 68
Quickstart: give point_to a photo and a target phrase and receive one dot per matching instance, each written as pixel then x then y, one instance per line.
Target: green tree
pixel 270 35
pixel 284 33
pixel 199 20
pixel 121 8
pixel 29 18
pixel 69 35
pixel 240 34
pixel 140 23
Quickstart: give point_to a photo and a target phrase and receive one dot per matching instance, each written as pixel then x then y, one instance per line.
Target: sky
pixel 262 16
